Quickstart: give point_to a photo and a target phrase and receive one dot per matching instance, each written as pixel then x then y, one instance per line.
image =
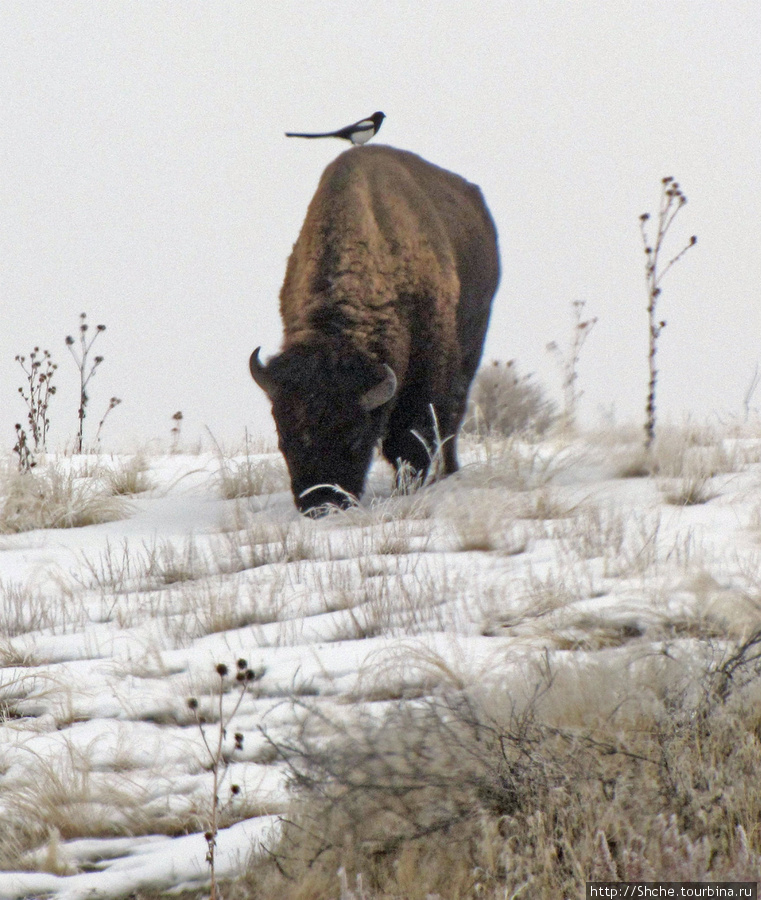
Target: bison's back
pixel 409 195
pixel 386 224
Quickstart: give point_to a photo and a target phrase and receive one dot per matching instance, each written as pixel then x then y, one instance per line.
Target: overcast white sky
pixel 145 179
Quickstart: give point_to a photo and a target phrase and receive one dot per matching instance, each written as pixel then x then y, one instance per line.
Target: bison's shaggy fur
pixel 395 266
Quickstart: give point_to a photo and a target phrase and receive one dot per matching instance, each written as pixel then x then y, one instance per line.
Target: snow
pixel 142 863
pixel 109 629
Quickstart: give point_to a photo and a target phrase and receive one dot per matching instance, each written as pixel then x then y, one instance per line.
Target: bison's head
pixel 329 413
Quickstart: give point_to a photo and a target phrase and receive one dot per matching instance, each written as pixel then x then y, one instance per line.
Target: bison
pixel 385 305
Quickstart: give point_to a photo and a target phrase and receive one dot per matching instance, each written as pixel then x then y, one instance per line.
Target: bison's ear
pixel 381 393
pixel 259 372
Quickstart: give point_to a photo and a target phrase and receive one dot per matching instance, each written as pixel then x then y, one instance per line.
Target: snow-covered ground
pixel 107 630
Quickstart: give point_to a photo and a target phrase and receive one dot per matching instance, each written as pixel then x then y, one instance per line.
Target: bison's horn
pixel 259 372
pixel 381 393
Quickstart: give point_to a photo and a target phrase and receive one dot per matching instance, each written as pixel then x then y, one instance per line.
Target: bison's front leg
pixel 429 440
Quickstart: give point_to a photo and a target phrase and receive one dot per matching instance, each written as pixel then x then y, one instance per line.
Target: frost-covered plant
pixel 503 402
pixel 569 362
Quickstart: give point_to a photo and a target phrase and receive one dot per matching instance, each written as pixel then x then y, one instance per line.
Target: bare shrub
pixel 531 789
pixel 503 402
pixel 423 778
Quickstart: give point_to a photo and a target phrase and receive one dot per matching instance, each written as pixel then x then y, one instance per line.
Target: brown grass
pixel 526 792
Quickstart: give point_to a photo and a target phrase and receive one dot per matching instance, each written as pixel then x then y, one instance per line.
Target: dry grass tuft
pixel 70 797
pixel 23 609
pixel 251 476
pixel 481 521
pixel 52 497
pixel 694 488
pixel 513 464
pixel 129 477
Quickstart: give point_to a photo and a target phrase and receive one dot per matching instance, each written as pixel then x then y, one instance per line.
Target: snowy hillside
pixel 536 556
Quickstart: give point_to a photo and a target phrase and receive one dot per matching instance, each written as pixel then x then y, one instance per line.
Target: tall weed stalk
pixel 672 201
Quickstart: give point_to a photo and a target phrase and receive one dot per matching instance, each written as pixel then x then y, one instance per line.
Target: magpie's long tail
pixel 300 134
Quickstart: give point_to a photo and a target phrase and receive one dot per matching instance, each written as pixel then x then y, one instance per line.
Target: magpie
pixel 358 133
